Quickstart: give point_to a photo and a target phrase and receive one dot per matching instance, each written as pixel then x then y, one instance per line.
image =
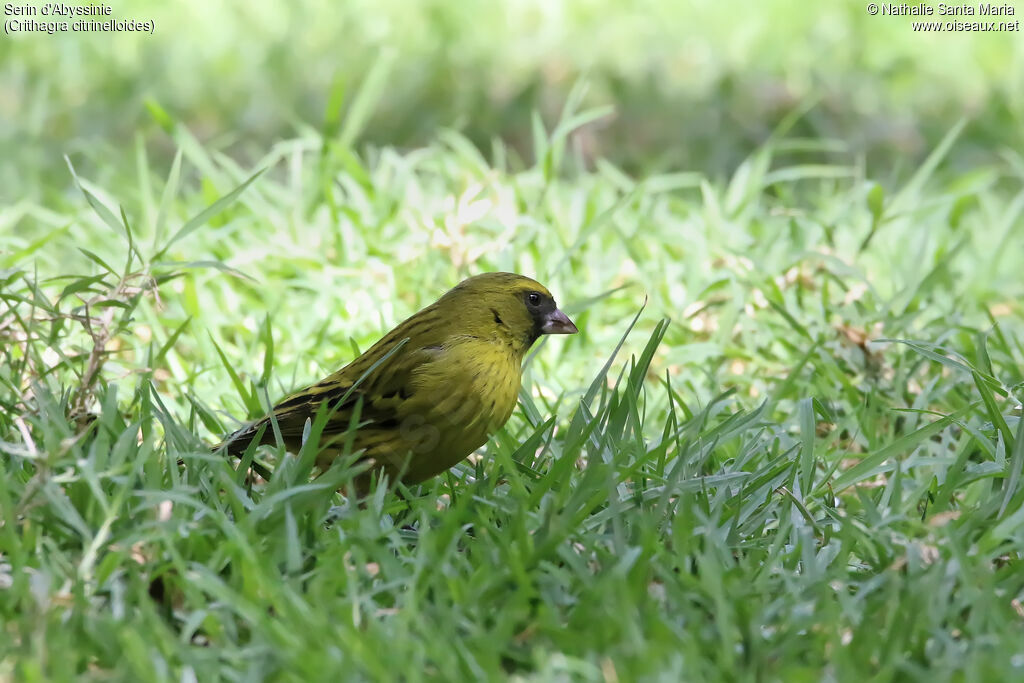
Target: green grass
pixel 803 463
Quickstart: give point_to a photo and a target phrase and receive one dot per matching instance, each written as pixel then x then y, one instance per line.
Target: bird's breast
pixel 460 398
pixel 475 385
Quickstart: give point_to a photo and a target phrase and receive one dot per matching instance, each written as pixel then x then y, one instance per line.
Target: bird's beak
pixel 557 322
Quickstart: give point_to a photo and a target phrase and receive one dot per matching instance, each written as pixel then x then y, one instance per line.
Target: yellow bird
pixel 433 389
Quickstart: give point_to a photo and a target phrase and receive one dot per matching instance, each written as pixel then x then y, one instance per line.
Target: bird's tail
pixel 235 444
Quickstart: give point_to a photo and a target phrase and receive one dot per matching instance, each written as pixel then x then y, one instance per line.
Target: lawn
pixel 787 444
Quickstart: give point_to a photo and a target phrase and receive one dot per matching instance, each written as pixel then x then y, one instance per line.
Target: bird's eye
pixel 533 298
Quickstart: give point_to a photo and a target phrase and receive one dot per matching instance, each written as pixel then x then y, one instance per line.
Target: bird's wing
pixel 378 391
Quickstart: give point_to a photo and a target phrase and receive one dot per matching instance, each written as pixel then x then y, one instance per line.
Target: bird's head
pixel 507 305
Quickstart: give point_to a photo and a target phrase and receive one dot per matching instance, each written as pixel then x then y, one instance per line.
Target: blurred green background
pixel 694 86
